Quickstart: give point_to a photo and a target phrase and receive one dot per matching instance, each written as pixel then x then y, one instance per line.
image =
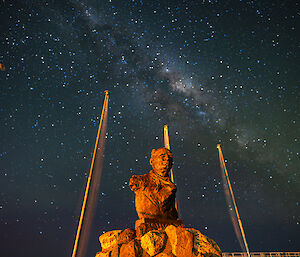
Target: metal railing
pixel 262 254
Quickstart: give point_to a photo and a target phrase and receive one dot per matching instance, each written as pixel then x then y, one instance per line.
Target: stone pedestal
pixel 144 225
pixel 167 241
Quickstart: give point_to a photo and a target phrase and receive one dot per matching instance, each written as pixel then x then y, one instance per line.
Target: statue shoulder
pixel 138 182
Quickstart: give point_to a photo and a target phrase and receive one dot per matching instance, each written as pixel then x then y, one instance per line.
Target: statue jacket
pixel 155 196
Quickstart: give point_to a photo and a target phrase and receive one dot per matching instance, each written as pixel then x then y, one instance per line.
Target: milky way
pixel 215 71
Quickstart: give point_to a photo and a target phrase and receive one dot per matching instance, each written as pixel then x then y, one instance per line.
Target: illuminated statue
pixel 158 231
pixel 154 192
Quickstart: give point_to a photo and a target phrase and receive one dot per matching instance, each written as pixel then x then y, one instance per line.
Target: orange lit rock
pixel 181 241
pixel 204 245
pixel 132 249
pixel 153 242
pixel 168 248
pixel 145 254
pixel 165 255
pixel 103 254
pixel 126 236
pixel 115 252
pixel 109 239
pixel 145 225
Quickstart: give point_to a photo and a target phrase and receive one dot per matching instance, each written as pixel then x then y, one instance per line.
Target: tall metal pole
pixel 222 163
pixel 167 145
pixel 105 105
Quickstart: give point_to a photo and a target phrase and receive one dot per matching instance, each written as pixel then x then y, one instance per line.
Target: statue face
pixel 161 162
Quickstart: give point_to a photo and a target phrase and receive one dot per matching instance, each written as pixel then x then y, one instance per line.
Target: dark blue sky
pixel 215 71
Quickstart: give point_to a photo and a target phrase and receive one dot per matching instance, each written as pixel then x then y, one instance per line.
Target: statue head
pixel 161 161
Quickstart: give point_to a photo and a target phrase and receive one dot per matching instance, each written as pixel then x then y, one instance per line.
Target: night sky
pixel 223 72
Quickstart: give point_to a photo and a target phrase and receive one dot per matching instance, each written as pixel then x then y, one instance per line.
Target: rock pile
pixel 169 242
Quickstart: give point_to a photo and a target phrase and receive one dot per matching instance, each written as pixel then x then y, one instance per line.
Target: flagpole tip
pixel 106 92
pixel 219 146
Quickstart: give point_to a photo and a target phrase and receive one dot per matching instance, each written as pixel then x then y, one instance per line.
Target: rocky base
pixel 172 241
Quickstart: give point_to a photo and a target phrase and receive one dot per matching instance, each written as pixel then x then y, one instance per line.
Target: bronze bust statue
pixel 154 191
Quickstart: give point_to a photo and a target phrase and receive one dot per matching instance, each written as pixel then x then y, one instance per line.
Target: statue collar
pixel 164 179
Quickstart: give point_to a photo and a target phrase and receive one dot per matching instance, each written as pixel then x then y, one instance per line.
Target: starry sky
pixel 215 71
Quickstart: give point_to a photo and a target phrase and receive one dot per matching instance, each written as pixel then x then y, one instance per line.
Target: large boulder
pixel 145 254
pixel 115 252
pixel 126 236
pixel 204 245
pixel 109 239
pixel 153 242
pixel 181 241
pixel 144 225
pixel 165 255
pixel 103 254
pixel 132 249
